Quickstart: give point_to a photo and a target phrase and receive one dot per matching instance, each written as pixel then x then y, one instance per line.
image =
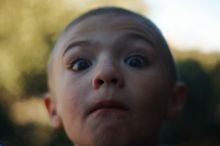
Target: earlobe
pixel 177 100
pixel 50 104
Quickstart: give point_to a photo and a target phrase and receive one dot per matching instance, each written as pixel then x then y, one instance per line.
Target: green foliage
pixel 215 78
pixel 6 126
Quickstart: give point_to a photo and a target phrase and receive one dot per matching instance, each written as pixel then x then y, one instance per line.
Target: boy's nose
pixel 107 75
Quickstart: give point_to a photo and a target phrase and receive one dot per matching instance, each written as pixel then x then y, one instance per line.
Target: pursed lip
pixel 107 104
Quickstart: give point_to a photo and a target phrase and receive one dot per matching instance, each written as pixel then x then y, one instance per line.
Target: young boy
pixel 112 80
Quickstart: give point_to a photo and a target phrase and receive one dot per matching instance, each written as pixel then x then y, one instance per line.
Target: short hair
pixel 160 41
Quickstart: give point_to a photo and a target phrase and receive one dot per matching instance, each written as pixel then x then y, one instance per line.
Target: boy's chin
pixel 111 140
pixel 116 137
pixel 120 136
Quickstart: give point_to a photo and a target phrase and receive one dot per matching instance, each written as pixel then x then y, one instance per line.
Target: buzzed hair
pixel 159 40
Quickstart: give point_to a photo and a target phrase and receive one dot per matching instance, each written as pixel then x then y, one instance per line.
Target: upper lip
pixel 106 104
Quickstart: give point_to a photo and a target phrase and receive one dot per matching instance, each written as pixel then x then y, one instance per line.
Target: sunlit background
pixel 188 23
pixel 28 30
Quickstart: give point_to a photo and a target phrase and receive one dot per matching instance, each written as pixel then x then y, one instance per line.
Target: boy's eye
pixel 79 65
pixel 136 61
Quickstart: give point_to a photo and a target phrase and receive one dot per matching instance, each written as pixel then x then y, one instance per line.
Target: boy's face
pixel 111 86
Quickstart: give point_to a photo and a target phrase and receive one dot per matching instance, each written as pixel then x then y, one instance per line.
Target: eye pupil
pixel 136 61
pixel 80 64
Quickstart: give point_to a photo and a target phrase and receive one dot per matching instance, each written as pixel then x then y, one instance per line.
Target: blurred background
pixel 29 28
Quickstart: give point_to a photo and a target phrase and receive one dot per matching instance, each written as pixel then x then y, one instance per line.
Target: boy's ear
pixel 177 100
pixel 50 104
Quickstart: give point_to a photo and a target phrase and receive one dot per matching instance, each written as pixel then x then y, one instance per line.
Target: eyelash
pixel 76 68
pixel 137 61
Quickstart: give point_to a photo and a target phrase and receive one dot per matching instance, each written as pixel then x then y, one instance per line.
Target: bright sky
pixel 188 23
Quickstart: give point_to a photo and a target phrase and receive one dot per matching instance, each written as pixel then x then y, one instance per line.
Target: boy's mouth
pixel 107 106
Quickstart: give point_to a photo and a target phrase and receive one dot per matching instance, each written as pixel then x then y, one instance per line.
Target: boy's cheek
pixel 150 98
pixel 72 97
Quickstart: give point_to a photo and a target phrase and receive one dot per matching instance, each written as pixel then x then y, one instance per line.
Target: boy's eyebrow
pixel 126 37
pixel 136 36
pixel 77 43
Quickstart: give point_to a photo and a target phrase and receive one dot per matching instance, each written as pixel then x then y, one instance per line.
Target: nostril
pixel 100 82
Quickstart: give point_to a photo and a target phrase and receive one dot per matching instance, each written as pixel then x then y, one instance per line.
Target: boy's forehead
pixel 113 21
pixel 116 25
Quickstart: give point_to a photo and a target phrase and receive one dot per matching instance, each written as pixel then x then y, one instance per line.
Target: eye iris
pixel 136 61
pixel 80 65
